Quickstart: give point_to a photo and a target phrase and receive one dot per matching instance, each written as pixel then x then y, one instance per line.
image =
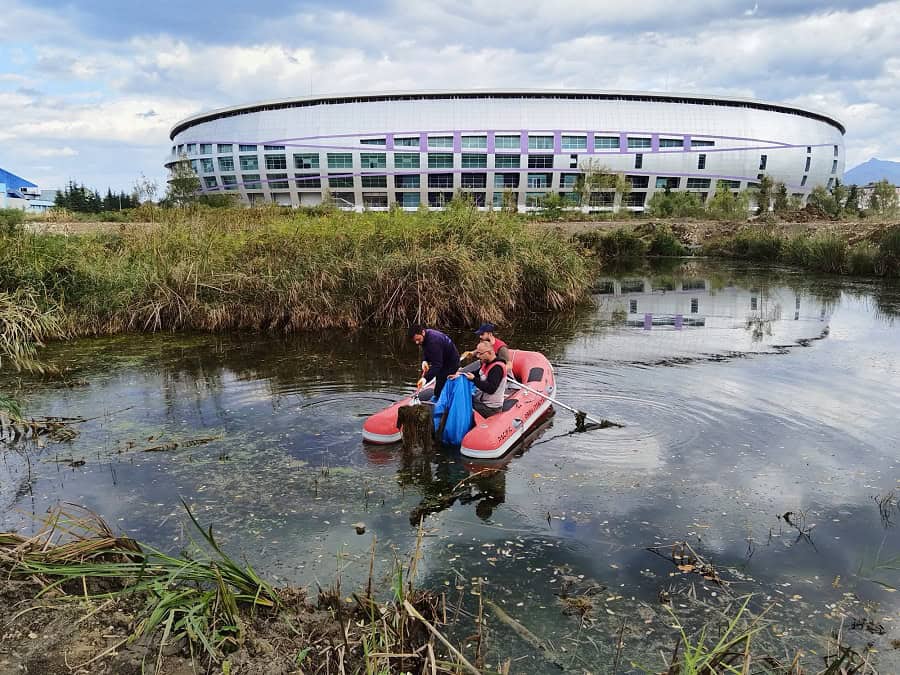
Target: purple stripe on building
pixel 557 142
pixel 523 141
pixel 590 143
pixel 423 142
pixel 389 142
pixel 654 143
pixel 623 143
pixel 457 141
pixel 490 142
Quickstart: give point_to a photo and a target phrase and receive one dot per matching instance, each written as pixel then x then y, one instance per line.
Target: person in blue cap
pixel 485 333
pixel 440 356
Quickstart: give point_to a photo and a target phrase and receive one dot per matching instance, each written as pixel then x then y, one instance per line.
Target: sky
pixel 90 90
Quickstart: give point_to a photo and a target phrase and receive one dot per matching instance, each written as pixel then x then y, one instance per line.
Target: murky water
pixel 744 394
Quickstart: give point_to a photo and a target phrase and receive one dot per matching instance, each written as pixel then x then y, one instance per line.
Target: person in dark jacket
pixel 440 357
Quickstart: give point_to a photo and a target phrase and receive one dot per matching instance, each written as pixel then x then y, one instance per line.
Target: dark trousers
pixel 483 410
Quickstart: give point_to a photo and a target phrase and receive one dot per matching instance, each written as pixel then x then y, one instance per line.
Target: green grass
pixel 270 270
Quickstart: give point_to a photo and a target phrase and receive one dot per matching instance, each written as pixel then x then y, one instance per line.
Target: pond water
pixel 760 414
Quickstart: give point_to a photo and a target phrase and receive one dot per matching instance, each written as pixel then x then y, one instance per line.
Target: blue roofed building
pixel 18 193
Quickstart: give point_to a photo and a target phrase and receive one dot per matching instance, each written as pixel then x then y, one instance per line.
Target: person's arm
pixel 503 354
pixel 490 384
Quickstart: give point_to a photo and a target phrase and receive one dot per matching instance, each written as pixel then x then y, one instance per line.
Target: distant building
pixel 865 194
pixel 18 193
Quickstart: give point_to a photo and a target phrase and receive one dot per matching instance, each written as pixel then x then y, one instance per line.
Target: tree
pixel 883 200
pixel 670 204
pixel 145 190
pixel 839 194
pixel 183 182
pixel 763 194
pixel 852 204
pixel 782 204
pixel 728 205
pixel 595 177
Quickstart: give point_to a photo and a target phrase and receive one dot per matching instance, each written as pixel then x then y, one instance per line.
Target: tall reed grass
pixel 270 270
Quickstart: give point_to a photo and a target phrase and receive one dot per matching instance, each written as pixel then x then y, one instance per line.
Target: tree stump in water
pixel 415 421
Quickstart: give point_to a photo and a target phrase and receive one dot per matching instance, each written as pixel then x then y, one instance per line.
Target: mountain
pixel 871 171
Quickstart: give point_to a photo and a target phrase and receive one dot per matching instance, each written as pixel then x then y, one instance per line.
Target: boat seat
pixel 508 404
pixel 535 375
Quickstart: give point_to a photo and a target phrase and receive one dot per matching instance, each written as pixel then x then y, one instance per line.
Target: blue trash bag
pixel 456 401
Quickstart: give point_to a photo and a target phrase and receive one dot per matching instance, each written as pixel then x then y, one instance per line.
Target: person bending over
pixel 489 381
pixel 440 357
pixel 485 333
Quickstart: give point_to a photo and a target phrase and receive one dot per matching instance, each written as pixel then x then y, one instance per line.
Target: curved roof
pixel 600 95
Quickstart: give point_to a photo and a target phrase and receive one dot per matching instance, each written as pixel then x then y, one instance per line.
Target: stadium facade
pixel 421 148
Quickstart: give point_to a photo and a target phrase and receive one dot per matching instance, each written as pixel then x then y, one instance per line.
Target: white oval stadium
pixel 421 148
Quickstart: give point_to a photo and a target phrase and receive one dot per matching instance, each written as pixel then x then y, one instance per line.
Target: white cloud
pixel 64 151
pixel 100 91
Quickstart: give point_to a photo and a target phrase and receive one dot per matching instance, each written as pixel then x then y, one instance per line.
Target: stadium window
pixel 754 303
pixel 440 180
pixel 830 183
pixel 471 160
pixel 306 161
pixel 701 161
pixel 507 161
pixel 191 148
pixel 808 163
pixel 306 181
pixel 276 162
pixel 606 143
pixel 210 181
pixel 344 199
pixel 407 181
pixel 803 181
pixel 407 142
pixel 375 200
pixel 835 151
pixel 539 180
pixel 638 161
pixel 372 141
pixel 247 148
pixel 373 160
pixel 729 184
pixel 638 143
pixel 574 142
pixel 834 166
pixel 573 161
pixel 406 160
pixel 540 142
pixel 251 181
pixel 440 160
pixel 476 197
pixel 698 183
pixel 409 200
pixel 229 182
pixel 208 167
pixel 701 144
pixel 808 149
pixel 340 160
pixel 507 142
pixel 535 199
pixel 277 181
pixel 671 143
pixel 273 147
pixel 540 161
pixel 568 180
pixel 439 199
pixel 632 306
pixel 474 142
pixel 226 163
pixel 474 180
pixel 181 149
pixel 763 159
pixel 506 180
pixel 602 199
pixel 440 141
pixel 374 181
pixel 249 163
pixel 635 199
pixel 224 148
pixel 206 149
pixel 663 182
pixel 340 181
pixel 638 182
pixel 695 305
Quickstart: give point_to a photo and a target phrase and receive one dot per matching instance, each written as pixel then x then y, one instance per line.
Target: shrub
pixel 795 251
pixel 11 220
pixel 612 246
pixel 827 253
pixel 862 258
pixel 665 243
pixel 889 250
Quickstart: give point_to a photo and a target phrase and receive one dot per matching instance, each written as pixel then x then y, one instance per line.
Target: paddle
pixel 578 413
